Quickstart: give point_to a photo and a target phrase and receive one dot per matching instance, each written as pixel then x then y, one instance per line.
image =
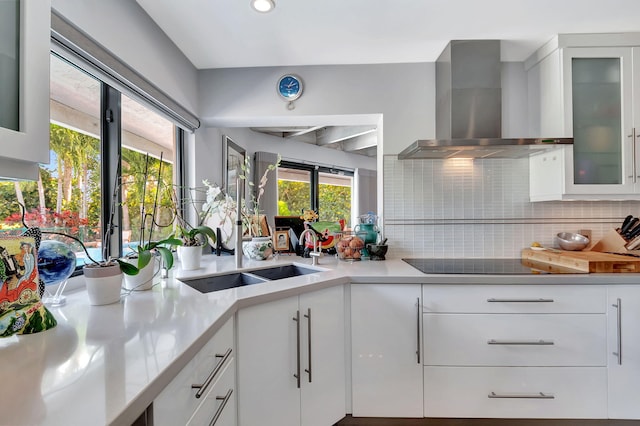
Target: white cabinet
pixel 515 392
pixel 212 371
pixel 24 84
pixel 515 351
pixel 291 361
pixel 591 94
pixel 624 351
pixel 386 352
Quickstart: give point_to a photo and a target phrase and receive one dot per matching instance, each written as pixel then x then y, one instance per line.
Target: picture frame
pixel 281 240
pixel 233 157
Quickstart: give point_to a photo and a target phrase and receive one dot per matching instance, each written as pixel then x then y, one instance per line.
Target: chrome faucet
pixel 317 252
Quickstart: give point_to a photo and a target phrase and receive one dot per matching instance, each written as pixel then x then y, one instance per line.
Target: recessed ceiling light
pixel 263 6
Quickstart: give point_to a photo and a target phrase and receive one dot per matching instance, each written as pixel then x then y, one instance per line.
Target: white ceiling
pixel 229 33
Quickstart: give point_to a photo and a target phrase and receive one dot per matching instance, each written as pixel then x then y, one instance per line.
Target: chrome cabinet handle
pixel 618 307
pixel 224 400
pixel 635 137
pixel 203 387
pixel 633 154
pixel 538 395
pixel 418 329
pixel 297 375
pixel 540 342
pixel 308 317
pixel 541 300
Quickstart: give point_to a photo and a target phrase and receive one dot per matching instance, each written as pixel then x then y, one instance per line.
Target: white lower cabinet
pixel 386 364
pixel 515 351
pixel 624 351
pixel 515 392
pixel 213 400
pixel 291 361
pixel 221 401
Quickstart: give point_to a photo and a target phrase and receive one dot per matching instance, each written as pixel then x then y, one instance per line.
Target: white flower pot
pixel 104 283
pixel 190 257
pixel 144 279
pixel 259 248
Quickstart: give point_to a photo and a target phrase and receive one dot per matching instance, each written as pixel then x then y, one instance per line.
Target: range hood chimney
pixel 469 108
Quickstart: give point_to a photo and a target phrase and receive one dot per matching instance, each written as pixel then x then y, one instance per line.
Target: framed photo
pixel 281 240
pixel 233 158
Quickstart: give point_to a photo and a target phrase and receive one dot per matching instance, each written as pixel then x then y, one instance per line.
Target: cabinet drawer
pixel 505 299
pixel 212 352
pixel 219 404
pixel 515 339
pixel 517 392
pixel 177 402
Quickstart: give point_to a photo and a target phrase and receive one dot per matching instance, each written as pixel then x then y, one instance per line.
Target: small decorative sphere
pixel 56 262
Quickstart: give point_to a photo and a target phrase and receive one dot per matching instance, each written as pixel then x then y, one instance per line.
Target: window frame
pixel 110 156
pixel 314 184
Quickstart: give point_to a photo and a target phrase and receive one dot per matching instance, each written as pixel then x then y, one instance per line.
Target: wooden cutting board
pixel 560 261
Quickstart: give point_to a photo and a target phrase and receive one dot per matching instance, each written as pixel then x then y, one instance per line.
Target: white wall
pixel 127 31
pixel 403 94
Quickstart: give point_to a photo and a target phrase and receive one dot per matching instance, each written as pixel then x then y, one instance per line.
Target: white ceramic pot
pixel 190 257
pixel 144 279
pixel 103 283
pixel 259 248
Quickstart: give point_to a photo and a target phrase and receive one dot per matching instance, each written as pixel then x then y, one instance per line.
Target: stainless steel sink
pixel 223 282
pixel 239 279
pixel 284 271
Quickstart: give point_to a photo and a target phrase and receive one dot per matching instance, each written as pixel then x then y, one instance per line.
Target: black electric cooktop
pixel 472 266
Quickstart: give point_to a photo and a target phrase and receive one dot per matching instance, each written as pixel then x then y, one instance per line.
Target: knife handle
pixel 629 225
pixel 626 222
pixel 633 232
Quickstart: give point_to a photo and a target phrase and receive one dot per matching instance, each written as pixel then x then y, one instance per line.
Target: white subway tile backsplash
pixel 454 208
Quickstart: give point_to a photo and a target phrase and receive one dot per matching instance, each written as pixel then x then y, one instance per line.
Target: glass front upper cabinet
pixel 598 85
pixel 597 121
pixel 24 87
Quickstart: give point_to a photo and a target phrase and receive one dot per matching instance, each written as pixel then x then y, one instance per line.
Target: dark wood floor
pixel 350 421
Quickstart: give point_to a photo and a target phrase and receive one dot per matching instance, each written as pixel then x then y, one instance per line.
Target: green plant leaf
pixel 127 268
pixel 171 241
pixel 206 231
pixel 167 256
pixel 144 257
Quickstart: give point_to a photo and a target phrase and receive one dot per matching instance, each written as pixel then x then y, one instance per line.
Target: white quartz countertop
pixel 106 364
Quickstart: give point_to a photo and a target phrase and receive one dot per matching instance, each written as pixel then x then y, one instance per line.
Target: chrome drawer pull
pixel 297 373
pixel 418 343
pixel 308 317
pixel 203 387
pixel 494 300
pixel 224 400
pixel 540 342
pixel 618 307
pixel 539 395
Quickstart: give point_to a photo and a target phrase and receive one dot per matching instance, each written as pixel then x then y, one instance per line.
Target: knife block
pixel 612 242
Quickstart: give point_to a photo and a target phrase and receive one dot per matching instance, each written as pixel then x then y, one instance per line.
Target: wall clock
pixel 289 88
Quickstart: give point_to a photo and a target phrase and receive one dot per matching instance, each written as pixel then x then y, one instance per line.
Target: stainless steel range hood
pixel 469 108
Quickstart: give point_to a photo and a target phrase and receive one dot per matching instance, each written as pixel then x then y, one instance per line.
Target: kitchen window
pixel 96 120
pixel 326 190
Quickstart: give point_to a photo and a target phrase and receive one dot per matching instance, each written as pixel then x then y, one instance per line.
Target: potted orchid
pixel 192 238
pixel 261 246
pixel 219 212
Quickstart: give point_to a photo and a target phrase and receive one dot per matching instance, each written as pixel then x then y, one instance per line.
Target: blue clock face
pixel 290 87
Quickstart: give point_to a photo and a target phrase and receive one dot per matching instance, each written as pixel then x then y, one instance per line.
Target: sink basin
pixel 285 271
pixel 223 282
